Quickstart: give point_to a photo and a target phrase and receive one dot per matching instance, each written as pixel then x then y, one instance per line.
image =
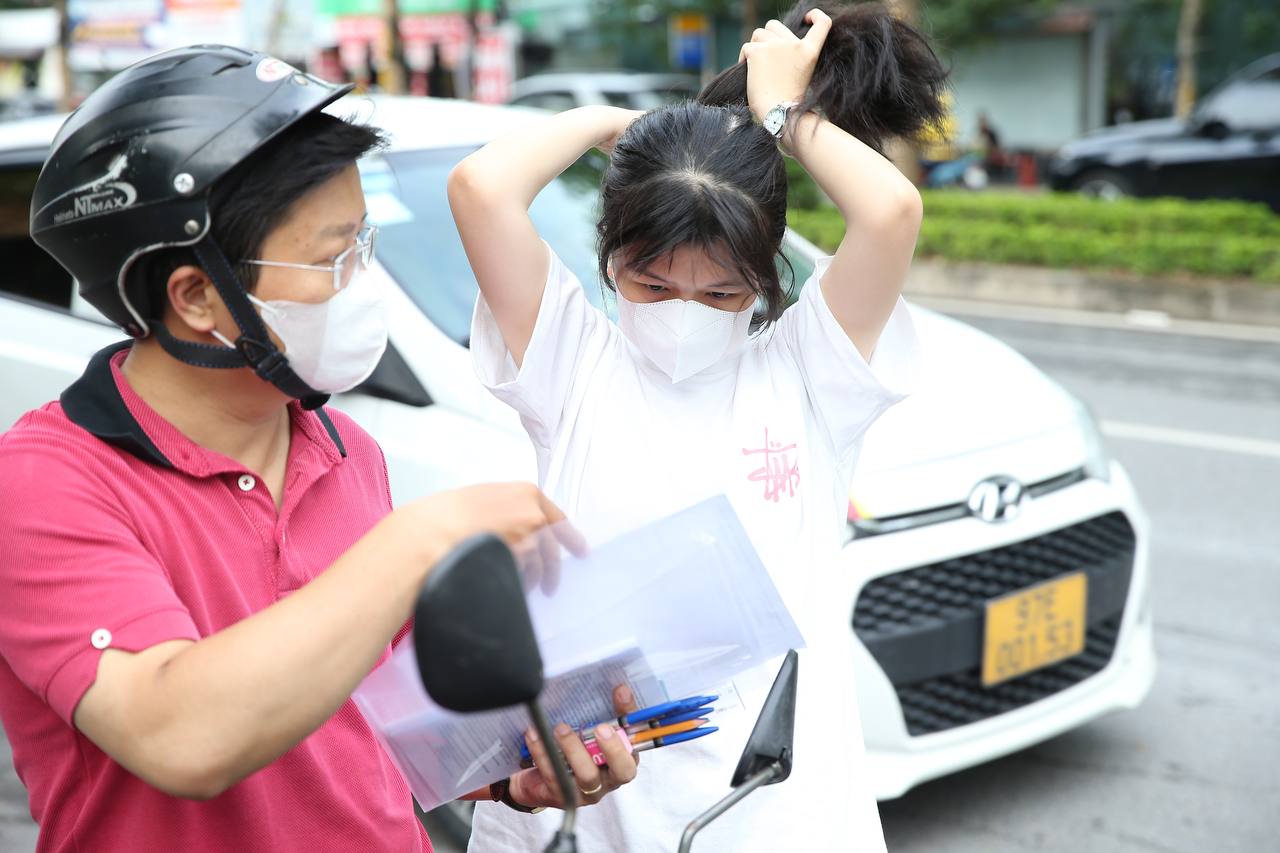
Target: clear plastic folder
pixel 672 609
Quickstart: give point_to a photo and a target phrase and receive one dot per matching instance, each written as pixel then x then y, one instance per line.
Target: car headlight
pixel 1097 462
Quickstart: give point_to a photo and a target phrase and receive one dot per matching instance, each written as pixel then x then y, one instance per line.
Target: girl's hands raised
pixel 621 119
pixel 779 64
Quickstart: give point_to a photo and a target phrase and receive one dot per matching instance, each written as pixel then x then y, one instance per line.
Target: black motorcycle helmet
pixel 130 172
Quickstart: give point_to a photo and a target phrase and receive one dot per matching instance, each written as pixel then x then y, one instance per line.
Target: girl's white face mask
pixel 683 338
pixel 333 345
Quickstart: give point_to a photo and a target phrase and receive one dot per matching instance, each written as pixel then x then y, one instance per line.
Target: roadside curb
pixel 1217 301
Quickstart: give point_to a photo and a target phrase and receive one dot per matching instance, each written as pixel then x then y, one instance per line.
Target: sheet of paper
pixel 672 609
pixel 445 755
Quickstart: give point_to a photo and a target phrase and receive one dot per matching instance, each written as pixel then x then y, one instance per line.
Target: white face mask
pixel 333 345
pixel 683 338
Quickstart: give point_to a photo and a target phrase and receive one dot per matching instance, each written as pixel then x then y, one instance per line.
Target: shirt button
pixel 100 638
pixel 246 483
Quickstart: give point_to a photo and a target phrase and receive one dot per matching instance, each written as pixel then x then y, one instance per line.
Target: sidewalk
pixel 1235 302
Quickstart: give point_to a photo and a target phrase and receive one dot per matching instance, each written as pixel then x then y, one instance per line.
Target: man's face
pixel 321 226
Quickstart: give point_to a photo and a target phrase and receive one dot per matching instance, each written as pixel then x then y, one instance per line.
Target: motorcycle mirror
pixel 767 758
pixel 477 650
pixel 771 741
pixel 475 643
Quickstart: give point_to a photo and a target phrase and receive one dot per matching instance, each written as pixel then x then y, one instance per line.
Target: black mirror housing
pixel 772 739
pixel 472 633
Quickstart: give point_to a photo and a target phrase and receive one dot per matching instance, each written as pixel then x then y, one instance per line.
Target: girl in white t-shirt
pixel 679 401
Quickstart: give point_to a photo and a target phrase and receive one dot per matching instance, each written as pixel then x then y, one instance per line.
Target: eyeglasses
pixel 356 257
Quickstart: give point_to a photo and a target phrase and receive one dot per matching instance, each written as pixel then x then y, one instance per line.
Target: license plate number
pixel 1034 628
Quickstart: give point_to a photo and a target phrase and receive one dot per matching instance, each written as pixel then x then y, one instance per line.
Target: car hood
pixel 1109 138
pixel 975 398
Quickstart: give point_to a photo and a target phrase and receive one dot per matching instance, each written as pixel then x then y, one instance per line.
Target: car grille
pixel 924 626
pixel 941 703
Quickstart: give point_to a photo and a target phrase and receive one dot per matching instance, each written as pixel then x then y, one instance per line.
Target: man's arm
pixel 193 719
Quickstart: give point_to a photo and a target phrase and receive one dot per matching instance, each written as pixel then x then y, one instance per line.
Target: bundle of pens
pixel 650 728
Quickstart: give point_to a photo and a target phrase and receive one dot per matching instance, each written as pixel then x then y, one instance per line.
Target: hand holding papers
pixel 668 609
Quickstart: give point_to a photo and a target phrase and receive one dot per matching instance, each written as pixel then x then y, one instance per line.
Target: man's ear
pixel 193 298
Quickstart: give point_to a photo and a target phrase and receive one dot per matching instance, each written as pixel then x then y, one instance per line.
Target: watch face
pixel 774 119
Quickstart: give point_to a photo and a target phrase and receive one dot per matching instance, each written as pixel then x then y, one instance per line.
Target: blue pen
pixel 677 718
pixel 666 714
pixel 636 728
pixel 669 740
pixel 588 735
pixel 666 709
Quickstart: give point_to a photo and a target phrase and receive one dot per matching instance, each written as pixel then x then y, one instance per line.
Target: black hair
pixel 256 196
pixel 704 173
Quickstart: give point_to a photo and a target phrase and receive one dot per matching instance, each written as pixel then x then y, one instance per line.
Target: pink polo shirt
pixel 119 532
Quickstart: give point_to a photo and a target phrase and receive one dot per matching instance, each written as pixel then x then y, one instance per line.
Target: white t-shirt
pixel 778 430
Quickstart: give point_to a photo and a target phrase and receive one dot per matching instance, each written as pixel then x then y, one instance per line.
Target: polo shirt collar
pixel 102 403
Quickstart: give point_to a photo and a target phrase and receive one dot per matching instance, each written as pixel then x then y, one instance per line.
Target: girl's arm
pixel 882 212
pixel 490 192
pixel 882 209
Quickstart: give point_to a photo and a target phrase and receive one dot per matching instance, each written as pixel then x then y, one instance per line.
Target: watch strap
pixel 500 792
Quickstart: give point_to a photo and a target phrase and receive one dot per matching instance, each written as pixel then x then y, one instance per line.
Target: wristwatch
pixel 500 792
pixel 775 121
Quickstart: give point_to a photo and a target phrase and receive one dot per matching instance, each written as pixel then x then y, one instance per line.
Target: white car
pixel 563 90
pixel 987 492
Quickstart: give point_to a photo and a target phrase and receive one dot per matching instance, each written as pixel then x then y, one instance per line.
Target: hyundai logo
pixel 996 499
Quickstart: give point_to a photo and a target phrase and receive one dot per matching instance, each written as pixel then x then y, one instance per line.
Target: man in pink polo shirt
pixel 201 562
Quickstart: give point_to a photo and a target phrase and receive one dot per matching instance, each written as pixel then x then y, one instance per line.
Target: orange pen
pixel 650 734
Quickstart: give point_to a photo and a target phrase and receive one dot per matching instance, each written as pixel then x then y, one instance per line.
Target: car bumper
pixel 898 760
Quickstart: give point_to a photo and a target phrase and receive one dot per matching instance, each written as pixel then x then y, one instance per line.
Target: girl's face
pixel 689 273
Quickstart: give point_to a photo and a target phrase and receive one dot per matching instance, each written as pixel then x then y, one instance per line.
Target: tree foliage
pixel 954 23
pixel 951 22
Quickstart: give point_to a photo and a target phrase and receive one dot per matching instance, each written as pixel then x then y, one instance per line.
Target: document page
pixel 671 609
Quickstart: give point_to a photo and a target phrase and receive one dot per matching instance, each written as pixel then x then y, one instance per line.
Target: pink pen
pixel 597 754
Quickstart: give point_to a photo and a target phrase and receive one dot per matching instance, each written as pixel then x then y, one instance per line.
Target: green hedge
pixel 1144 236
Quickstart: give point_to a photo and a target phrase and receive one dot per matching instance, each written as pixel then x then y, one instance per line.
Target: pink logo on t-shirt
pixel 778 472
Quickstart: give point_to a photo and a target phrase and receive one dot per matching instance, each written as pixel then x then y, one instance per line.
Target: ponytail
pixel 876 78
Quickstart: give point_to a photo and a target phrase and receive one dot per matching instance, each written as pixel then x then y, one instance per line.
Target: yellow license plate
pixel 1034 627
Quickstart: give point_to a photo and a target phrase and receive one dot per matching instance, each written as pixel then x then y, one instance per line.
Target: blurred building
pixel 1042 81
pixel 28 71
pixel 451 48
pixel 108 35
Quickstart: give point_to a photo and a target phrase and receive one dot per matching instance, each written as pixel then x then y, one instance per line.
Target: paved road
pixel 1196 420
pixel 17 832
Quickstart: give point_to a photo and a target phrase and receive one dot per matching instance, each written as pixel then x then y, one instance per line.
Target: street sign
pixel 689 40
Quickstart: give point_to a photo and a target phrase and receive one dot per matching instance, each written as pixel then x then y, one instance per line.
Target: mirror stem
pixel 764 777
pixel 567 788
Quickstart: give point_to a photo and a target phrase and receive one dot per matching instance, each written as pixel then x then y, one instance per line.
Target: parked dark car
pixel 1228 148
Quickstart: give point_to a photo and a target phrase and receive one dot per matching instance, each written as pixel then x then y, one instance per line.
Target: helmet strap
pixel 254 348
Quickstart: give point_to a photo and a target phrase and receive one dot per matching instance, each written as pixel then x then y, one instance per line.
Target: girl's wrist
pixel 798 130
pixel 504 791
pixel 760 106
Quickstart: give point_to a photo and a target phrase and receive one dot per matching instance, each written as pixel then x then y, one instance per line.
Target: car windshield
pixel 418 244
pixel 1245 104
